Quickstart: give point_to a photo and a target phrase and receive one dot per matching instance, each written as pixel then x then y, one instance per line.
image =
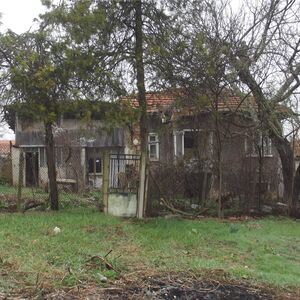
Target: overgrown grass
pixel 265 250
pixel 7 189
pixel 67 199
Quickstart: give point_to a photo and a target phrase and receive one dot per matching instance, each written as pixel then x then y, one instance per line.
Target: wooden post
pixel 141 192
pixel 20 180
pixel 143 120
pixel 51 158
pixel 11 176
pixel 83 166
pixel 146 187
pixel 105 182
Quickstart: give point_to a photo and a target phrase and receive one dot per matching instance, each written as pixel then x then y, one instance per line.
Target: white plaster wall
pixel 83 166
pixel 43 174
pixel 15 157
pixel 122 205
pixel 95 181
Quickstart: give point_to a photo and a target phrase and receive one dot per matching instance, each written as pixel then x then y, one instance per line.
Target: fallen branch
pixel 107 253
pixel 31 205
pixel 107 265
pixel 168 205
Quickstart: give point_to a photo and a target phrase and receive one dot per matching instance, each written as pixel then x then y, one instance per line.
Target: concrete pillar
pixel 15 156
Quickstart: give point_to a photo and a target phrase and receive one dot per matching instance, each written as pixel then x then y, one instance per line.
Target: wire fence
pixel 194 189
pixel 24 177
pixel 79 176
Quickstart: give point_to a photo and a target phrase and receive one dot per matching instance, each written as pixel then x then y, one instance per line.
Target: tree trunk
pixel 142 105
pixel 287 161
pixel 260 171
pixel 296 192
pixel 219 170
pixel 220 204
pixel 219 159
pixel 50 153
pixel 282 144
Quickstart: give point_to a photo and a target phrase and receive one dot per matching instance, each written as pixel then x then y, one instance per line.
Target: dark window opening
pixel 191 144
pixel 189 140
pixel 95 165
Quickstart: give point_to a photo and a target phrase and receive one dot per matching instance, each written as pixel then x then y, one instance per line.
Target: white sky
pixel 18 15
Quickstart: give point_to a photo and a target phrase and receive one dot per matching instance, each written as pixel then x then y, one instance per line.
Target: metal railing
pixel 124 173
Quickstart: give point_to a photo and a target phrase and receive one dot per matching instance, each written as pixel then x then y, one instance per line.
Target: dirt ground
pixel 178 286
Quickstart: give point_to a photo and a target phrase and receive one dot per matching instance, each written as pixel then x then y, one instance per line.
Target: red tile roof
pixel 156 101
pixel 235 103
pixel 159 101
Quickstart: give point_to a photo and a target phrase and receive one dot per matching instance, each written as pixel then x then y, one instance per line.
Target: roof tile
pixel 158 101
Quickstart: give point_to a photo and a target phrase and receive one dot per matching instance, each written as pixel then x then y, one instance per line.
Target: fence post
pixel 20 180
pixel 142 185
pixel 146 188
pixel 105 183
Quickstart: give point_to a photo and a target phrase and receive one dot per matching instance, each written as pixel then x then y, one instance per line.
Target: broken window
pixel 193 143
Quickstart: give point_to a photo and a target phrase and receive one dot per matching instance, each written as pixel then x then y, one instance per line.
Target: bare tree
pixel 264 55
pixel 260 46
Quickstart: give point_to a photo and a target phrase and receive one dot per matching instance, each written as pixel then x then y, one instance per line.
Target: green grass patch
pixel 67 199
pixel 265 250
pixel 6 189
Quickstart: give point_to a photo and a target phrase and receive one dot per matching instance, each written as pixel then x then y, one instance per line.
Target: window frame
pixel 251 142
pixel 176 134
pixel 153 143
pixel 59 157
pixel 42 158
pixel 94 158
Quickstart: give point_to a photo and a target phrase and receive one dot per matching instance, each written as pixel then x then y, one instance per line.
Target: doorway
pixel 32 168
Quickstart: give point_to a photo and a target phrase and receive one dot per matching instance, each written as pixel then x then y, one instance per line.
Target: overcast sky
pixel 18 15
